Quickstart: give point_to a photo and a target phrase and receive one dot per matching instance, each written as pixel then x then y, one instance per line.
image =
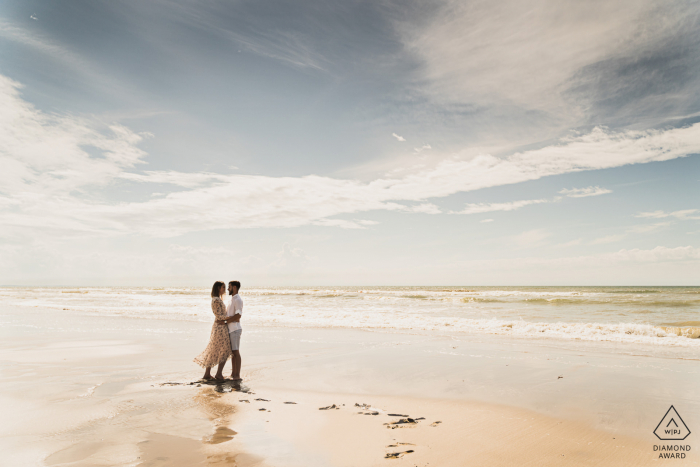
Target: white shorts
pixel 235 337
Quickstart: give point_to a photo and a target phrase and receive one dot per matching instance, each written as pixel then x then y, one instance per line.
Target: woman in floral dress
pixel 219 349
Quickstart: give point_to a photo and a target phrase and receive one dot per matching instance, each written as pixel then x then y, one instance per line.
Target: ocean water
pixel 656 316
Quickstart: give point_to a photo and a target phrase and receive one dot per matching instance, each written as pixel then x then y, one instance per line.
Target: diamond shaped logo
pixel 671 427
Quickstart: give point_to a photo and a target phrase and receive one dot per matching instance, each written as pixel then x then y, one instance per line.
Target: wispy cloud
pixel 585 192
pixel 425 208
pixel 635 229
pixel 422 148
pixel 490 207
pixel 686 214
pixel 608 239
pixel 531 238
pixel 569 243
pixel 34 40
pixel 483 54
pixel 398 137
pixel 53 50
pixel 484 221
pixel 648 227
pixel 635 256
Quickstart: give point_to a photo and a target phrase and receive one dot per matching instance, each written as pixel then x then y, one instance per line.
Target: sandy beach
pixel 83 390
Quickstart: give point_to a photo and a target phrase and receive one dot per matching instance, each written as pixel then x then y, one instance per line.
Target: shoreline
pixel 658 319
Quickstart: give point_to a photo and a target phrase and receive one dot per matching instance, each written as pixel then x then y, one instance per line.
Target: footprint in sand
pixel 396 455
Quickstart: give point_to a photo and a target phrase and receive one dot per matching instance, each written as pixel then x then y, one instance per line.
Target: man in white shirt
pixel 234 311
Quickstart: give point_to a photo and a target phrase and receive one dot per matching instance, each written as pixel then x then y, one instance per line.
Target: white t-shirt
pixel 233 308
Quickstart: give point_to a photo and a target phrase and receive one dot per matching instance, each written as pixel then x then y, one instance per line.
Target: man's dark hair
pixel 236 284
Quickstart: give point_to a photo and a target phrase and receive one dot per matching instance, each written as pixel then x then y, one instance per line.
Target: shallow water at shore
pixel 654 316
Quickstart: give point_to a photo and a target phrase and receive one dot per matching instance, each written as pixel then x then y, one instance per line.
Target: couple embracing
pixel 225 340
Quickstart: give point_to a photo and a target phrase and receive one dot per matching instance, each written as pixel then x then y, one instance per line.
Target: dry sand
pixel 84 391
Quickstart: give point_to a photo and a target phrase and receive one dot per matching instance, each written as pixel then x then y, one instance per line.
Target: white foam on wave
pixel 622 332
pixel 590 314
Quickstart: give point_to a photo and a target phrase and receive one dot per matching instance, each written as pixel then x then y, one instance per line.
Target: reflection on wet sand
pixel 209 399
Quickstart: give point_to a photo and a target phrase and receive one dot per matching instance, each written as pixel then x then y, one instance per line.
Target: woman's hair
pixel 216 289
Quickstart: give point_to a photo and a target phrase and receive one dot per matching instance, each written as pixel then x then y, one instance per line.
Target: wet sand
pixel 87 390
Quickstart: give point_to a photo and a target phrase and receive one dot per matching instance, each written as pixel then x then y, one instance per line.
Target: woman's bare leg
pixel 207 373
pixel 219 376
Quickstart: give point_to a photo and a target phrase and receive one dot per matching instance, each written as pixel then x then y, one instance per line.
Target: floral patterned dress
pixel 219 348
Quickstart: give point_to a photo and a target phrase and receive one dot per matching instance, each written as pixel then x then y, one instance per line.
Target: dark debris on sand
pixel 330 407
pixel 290 402
pixel 396 455
pixel 402 421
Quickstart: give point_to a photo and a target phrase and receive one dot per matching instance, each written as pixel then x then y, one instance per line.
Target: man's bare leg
pixel 236 361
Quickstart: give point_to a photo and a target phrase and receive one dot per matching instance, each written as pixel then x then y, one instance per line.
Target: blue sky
pixel 350 143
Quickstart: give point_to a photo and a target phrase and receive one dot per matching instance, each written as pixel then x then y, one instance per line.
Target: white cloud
pixel 531 238
pixel 685 214
pixel 569 243
pixel 399 138
pixel 54 168
pixel 425 208
pixel 181 179
pixel 490 207
pixel 608 239
pixel 635 229
pixel 648 227
pixel 585 192
pixel 657 255
pixel 422 148
pixel 291 259
pixel 46 154
pixel 484 221
pixel 343 223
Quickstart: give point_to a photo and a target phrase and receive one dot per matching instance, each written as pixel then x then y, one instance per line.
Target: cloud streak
pixel 686 214
pixel 585 192
pixel 490 207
